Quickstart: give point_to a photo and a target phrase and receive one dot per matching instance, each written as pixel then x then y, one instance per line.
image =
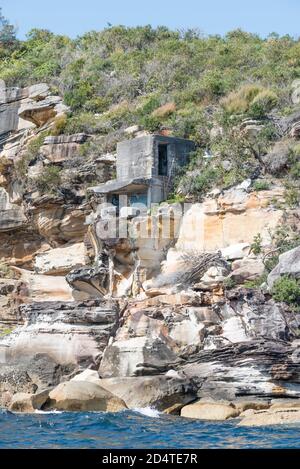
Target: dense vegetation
pixel 182 82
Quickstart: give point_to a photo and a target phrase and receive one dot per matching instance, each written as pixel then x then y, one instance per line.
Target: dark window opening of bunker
pixel 115 201
pixel 162 160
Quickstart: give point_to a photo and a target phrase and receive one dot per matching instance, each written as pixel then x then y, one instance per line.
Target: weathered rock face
pixel 238 346
pixel 63 147
pixel 260 368
pixel 56 221
pixel 69 333
pixel 12 216
pixel 234 217
pixel 162 392
pixel 180 333
pixel 289 264
pixel 40 288
pixel 33 104
pixel 136 356
pixel 19 247
pixel 30 375
pixel 60 261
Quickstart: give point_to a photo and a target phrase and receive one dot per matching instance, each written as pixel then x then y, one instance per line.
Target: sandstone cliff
pixel 161 320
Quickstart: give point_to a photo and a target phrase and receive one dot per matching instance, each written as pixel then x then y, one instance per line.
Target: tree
pixel 7 32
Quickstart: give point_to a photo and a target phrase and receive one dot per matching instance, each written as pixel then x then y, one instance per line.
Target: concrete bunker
pixel 146 167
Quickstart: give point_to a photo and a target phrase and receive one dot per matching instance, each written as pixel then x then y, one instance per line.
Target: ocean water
pixel 143 428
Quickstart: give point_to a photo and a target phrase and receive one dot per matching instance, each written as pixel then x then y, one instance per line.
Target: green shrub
pixel 151 123
pixel 50 180
pixel 250 98
pixel 292 195
pixel 229 283
pixel 238 102
pixel 85 122
pixel 6 271
pixel 296 150
pixel 196 183
pixel 256 246
pixel 261 186
pixel 32 151
pixel 5 331
pixel 287 290
pixel 59 125
pixel 256 283
pixel 263 103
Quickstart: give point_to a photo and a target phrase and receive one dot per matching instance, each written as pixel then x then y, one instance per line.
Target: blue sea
pixel 143 428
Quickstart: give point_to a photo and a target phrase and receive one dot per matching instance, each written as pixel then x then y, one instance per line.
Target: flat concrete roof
pixel 118 185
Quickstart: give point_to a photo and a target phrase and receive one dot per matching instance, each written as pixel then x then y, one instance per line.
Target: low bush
pixel 287 290
pixel 50 180
pixel 238 102
pixel 263 103
pixel 32 152
pixel 261 185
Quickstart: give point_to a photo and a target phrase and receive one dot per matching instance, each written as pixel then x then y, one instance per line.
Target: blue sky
pixel 74 17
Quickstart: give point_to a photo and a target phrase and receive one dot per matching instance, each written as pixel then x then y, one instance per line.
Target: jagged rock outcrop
pixel 30 375
pixel 70 332
pixel 289 264
pixel 12 216
pixel 242 346
pixel 63 147
pixel 60 261
pixel 177 331
pixel 260 368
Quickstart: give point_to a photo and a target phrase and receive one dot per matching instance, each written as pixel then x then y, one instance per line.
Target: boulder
pixel 136 356
pixel 88 375
pixel 89 282
pixel 83 396
pixel 289 264
pixel 247 269
pixel 29 375
pixel 236 251
pixel 161 392
pixel 40 112
pixel 40 288
pixel 209 411
pixel 278 159
pixel 271 417
pixel 60 261
pixel 22 402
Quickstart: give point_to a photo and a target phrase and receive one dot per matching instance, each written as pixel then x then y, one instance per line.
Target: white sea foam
pixel 148 412
pixel 48 411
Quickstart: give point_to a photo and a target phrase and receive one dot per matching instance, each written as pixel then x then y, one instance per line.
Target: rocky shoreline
pixel 174 323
